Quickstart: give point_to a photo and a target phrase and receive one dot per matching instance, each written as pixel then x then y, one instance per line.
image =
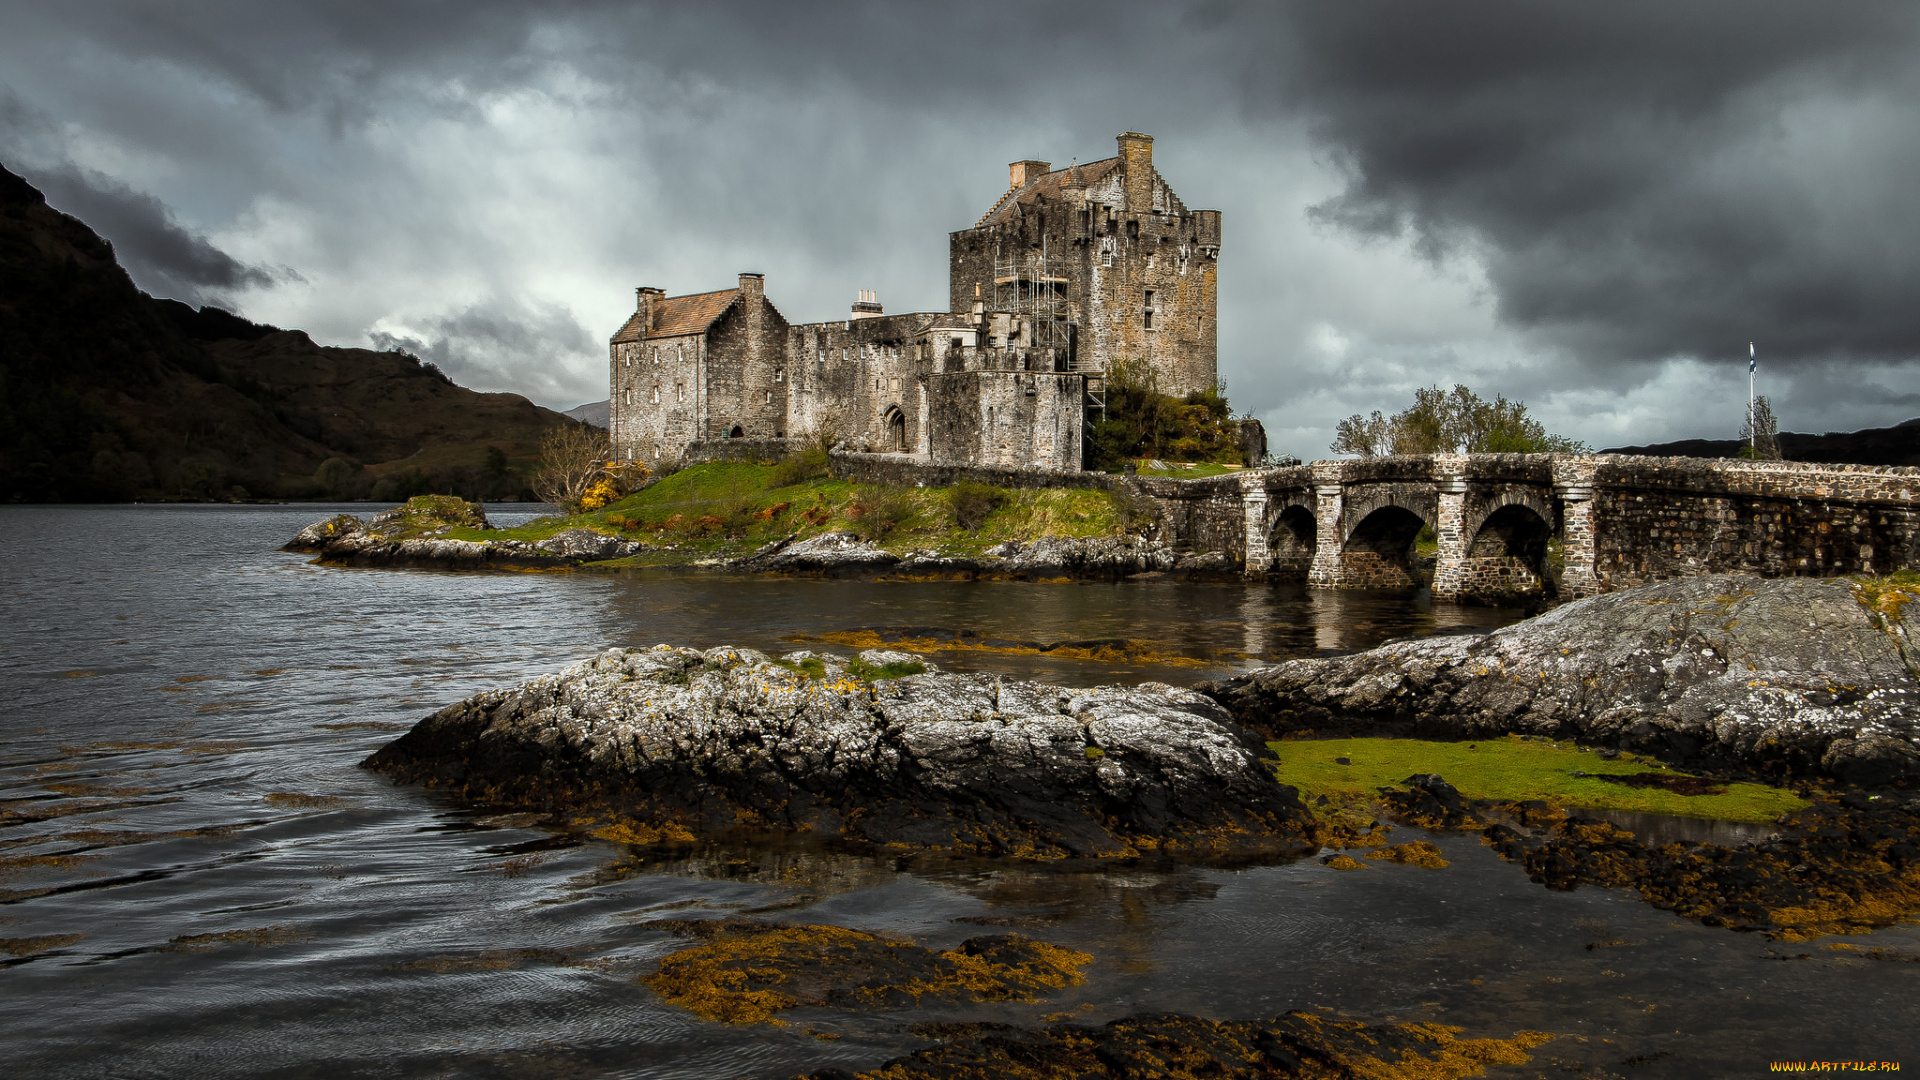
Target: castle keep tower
pixel 1107 258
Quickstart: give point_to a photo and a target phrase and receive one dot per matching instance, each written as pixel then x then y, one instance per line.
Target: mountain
pixel 597 413
pixel 1897 445
pixel 109 394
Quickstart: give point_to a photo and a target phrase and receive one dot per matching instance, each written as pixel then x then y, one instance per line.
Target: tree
pixel 1760 431
pixel 1450 422
pixel 1140 421
pixel 572 457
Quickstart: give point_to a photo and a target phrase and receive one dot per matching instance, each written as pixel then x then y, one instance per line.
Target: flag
pixel 1753 364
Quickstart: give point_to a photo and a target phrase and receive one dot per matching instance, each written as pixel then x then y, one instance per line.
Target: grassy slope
pixel 1512 768
pixel 728 509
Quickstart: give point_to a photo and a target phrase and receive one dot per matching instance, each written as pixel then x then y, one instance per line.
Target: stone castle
pixel 1070 272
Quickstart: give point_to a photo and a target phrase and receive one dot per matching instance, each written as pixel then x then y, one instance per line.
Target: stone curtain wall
pixel 1672 517
pixel 899 471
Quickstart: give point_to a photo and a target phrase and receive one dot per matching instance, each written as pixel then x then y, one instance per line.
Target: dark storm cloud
pixel 163 258
pixel 1641 179
pixel 483 344
pixel 1546 199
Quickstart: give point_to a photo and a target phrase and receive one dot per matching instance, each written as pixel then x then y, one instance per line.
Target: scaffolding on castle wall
pixel 1032 285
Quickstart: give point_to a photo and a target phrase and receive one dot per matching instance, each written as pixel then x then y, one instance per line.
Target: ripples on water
pixel 197 880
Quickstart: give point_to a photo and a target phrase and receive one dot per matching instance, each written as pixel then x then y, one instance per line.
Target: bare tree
pixel 572 457
pixel 1761 432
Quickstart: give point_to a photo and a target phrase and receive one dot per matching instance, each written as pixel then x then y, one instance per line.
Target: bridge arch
pixel 1363 501
pixel 1478 510
pixel 1378 548
pixel 1292 538
pixel 1507 554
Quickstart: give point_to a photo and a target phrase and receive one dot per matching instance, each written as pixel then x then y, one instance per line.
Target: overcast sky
pixel 1592 207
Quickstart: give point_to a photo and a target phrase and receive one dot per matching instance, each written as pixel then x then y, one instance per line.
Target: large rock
pixel 1789 676
pixel 727 740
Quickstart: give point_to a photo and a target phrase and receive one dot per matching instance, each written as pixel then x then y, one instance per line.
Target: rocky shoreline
pixel 1787 677
pixel 391 539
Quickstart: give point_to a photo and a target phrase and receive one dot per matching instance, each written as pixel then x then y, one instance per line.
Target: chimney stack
pixel 644 299
pixel 867 304
pixel 753 284
pixel 1022 173
pixel 1136 159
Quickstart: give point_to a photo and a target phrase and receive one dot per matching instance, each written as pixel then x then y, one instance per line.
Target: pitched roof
pixel 674 316
pixel 1048 185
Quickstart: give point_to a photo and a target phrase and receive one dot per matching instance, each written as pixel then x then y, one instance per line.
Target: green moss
pixel 860 669
pixel 1513 768
pixel 812 667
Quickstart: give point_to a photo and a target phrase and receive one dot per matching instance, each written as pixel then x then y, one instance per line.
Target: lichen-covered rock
pixel 1084 556
pixel 318 535
pixel 588 545
pixel 1790 676
pixel 730 740
pixel 825 553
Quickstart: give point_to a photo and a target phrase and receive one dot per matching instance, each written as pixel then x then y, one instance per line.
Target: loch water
pixel 197 879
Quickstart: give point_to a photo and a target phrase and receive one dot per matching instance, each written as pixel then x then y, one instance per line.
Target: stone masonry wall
pixel 1673 517
pixel 746 369
pixel 656 399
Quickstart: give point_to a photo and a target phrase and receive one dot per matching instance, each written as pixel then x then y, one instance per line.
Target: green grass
pixel 812 667
pixel 1184 470
pixel 723 510
pixel 1513 768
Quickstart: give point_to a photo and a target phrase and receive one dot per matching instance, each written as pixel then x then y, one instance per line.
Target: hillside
pixel 1897 445
pixel 108 394
pixel 597 413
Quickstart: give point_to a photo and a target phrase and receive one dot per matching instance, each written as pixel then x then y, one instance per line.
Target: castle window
pixel 656 393
pixel 769 397
pixel 679 392
pixel 1147 308
pixel 778 375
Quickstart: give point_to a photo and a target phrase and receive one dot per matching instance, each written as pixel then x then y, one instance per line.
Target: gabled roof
pixel 1048 185
pixel 674 316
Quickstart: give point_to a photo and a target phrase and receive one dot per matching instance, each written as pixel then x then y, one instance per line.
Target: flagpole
pixel 1753 433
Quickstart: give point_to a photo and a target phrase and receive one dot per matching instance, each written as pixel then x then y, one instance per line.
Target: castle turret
pixel 1136 162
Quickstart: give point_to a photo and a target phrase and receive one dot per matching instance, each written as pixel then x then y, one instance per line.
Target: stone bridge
pixel 1499 527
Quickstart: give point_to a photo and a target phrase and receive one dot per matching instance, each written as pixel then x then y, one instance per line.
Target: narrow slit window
pixel 1147 309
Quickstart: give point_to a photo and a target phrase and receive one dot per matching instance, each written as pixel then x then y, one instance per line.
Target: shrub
pixel 598 494
pixel 972 502
pixel 808 463
pixel 887 510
